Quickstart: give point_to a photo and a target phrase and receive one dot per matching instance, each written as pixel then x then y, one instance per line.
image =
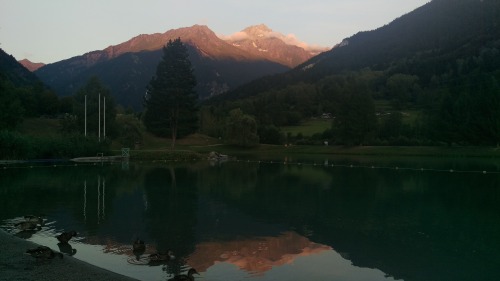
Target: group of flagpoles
pixel 104 117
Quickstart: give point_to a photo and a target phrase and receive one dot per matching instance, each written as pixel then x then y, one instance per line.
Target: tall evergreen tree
pixel 171 98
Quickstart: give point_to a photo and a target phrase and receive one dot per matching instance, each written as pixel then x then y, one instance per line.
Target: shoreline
pixel 16 265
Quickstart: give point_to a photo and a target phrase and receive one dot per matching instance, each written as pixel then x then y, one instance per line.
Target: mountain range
pixel 424 42
pixel 440 62
pixel 219 65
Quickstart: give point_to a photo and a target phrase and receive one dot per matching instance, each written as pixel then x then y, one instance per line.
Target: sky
pixel 48 31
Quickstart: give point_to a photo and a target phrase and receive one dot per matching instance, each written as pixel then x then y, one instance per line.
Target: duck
pixel 162 256
pixel 66 236
pixel 26 234
pixel 43 252
pixel 138 246
pixel 184 277
pixel 27 225
pixel 66 248
pixel 34 219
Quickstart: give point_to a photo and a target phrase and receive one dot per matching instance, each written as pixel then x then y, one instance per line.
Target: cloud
pixel 290 39
pixel 238 36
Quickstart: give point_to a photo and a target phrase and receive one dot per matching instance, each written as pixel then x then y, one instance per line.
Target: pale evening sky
pixel 52 30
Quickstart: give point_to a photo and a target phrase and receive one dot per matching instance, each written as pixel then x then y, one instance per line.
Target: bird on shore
pixel 43 252
pixel 66 236
pixel 66 248
pixel 184 277
pixel 35 219
pixel 160 257
pixel 138 246
pixel 26 234
pixel 27 225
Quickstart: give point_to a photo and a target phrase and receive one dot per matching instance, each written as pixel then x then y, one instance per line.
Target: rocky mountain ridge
pixel 220 64
pixel 31 66
pixel 260 40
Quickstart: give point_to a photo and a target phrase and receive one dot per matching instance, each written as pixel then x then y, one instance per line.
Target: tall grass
pixel 16 146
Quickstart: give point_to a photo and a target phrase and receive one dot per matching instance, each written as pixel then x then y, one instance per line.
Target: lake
pixel 313 218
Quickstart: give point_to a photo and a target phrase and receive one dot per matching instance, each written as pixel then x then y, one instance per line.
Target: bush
pixel 15 146
pixel 271 135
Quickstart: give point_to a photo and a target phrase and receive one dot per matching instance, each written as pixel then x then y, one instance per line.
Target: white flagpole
pixel 85 115
pixel 104 117
pixel 99 109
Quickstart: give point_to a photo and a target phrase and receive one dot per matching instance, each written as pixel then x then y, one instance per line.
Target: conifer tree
pixel 170 101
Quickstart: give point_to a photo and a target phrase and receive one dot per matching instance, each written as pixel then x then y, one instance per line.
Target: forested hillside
pixel 22 94
pixel 429 77
pixel 15 72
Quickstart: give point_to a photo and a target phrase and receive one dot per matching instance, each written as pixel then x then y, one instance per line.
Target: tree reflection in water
pixel 261 216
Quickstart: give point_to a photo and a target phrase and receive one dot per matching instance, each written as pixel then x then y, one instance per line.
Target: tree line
pixel 89 120
pixel 436 97
pixel 407 103
pixel 380 107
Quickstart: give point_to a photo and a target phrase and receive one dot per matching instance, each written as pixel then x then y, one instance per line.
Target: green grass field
pixel 149 141
pixel 198 143
pixel 309 127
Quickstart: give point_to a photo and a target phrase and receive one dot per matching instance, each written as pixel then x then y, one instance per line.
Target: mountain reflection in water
pixel 255 255
pixel 262 221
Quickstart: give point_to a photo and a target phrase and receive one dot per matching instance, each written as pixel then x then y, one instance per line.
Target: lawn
pixel 309 127
pixel 199 143
pixel 152 142
pixel 40 127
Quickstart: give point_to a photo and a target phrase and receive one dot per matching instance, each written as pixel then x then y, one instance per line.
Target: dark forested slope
pixel 425 40
pixel 17 74
pixel 429 76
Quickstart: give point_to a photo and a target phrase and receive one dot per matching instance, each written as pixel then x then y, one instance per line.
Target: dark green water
pixel 323 219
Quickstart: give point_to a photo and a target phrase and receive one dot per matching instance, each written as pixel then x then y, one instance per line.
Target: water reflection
pixel 267 221
pixel 101 203
pixel 256 255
